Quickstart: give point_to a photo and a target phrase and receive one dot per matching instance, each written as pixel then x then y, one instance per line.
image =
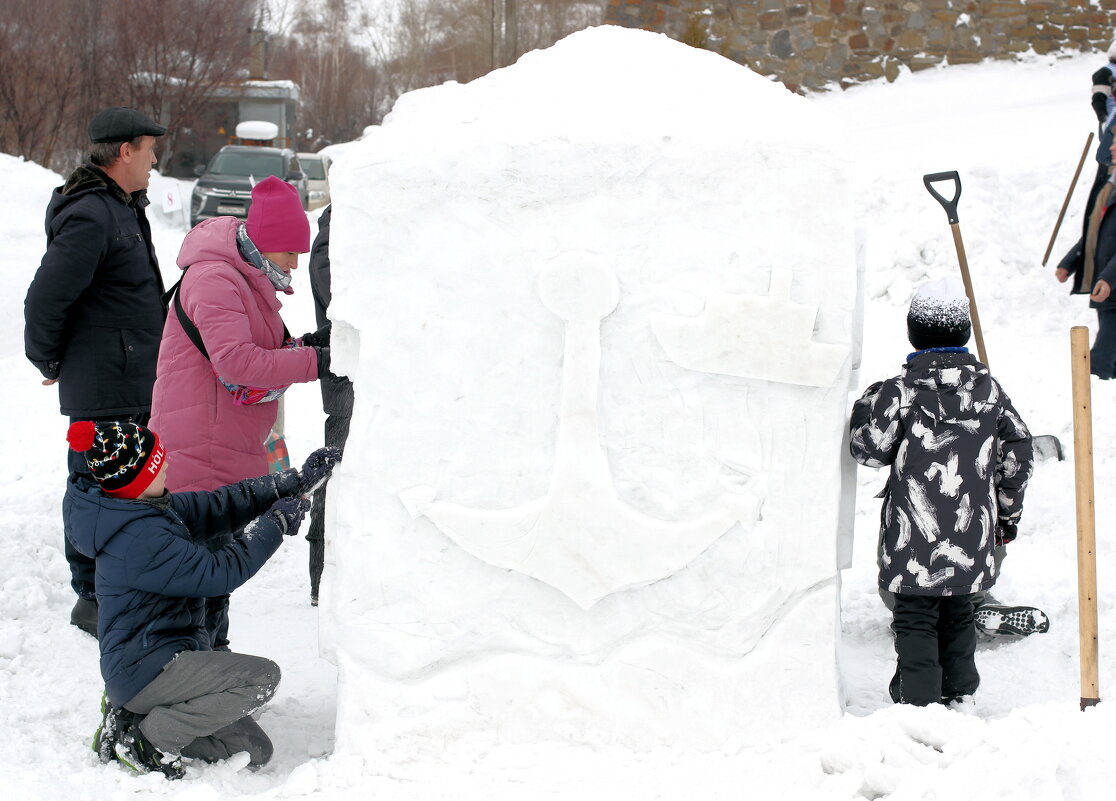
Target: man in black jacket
pixel 337 395
pixel 94 311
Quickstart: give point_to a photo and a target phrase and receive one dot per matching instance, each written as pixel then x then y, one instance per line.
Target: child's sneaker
pixel 136 751
pixel 995 620
pixel 113 723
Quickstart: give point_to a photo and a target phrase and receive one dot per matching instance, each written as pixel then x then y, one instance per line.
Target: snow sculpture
pixel 579 538
pixel 601 346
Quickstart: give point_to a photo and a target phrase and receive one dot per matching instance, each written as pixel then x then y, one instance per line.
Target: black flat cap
pixel 122 124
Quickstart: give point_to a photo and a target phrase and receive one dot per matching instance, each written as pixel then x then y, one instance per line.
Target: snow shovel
pixel 950 207
pixel 1046 446
pixel 1065 203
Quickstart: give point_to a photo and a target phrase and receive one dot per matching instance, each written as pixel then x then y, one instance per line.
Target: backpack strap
pixel 188 325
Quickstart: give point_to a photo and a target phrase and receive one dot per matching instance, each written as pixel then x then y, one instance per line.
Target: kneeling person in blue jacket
pixel 169 694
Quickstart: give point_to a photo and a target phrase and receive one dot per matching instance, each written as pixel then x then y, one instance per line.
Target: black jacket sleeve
pixel 1102 90
pixel 75 250
pixel 875 424
pixel 1071 262
pixel 1014 463
pixel 319 268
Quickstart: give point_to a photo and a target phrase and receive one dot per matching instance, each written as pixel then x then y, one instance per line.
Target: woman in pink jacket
pixel 214 398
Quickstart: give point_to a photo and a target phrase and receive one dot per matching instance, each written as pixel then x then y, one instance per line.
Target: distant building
pixel 256 98
pixel 270 101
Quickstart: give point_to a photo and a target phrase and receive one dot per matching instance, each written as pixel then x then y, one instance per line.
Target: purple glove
pixel 317 469
pixel 288 513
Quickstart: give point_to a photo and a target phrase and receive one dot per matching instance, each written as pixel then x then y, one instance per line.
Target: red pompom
pixel 80 436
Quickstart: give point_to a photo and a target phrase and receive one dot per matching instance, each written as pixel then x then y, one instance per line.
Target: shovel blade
pixel 1048 446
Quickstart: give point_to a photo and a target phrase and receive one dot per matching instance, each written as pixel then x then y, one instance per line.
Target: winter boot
pixel 134 750
pixel 84 615
pixel 995 620
pixel 113 722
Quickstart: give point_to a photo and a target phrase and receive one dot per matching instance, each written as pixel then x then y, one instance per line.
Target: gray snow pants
pixel 200 705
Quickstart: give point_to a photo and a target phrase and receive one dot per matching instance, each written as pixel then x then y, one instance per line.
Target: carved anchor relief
pixel 581 538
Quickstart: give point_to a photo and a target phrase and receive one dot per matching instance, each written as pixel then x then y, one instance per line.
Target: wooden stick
pixel 1086 524
pixel 1065 203
pixel 981 353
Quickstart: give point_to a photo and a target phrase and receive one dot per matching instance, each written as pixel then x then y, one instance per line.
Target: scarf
pixel 279 279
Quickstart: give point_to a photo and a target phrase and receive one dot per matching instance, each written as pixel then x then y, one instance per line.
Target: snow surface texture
pixel 1022 738
pixel 613 420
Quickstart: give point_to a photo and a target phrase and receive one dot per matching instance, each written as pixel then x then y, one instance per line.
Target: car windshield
pixel 247 163
pixel 314 168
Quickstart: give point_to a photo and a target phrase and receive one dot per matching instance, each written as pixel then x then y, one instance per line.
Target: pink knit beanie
pixel 276 220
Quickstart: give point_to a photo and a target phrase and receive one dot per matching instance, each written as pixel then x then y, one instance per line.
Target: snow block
pixel 600 312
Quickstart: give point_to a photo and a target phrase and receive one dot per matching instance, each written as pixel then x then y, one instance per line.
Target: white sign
pixel 172 200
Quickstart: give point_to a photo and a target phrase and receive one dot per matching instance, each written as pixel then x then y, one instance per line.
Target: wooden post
pixel 1086 528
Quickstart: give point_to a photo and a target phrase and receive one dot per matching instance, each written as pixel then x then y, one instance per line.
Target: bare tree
pixel 172 59
pixel 40 69
pixel 62 60
pixel 340 81
pixel 425 42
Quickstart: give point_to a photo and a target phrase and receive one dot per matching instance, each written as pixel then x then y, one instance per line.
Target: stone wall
pixel 814 44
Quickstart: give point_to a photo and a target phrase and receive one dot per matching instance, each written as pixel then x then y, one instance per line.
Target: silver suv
pixel 224 186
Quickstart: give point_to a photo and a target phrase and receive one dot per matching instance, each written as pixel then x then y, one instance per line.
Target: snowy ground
pixel 1014 132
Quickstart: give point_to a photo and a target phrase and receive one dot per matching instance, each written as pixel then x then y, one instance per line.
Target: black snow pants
pixel 935 642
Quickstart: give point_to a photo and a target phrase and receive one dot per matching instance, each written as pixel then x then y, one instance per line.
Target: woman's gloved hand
pixel 319 338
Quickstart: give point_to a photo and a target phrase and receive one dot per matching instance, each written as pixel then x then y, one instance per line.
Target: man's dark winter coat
pixel 154 571
pixel 960 459
pixel 1105 267
pixel 337 391
pixel 94 312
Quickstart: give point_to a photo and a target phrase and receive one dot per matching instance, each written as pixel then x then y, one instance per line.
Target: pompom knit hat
pixel 124 457
pixel 939 315
pixel 276 220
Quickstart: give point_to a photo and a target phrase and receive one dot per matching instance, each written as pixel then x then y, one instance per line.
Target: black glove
pixel 287 513
pixel 323 361
pixel 1006 530
pixel 872 389
pixel 317 469
pixel 319 338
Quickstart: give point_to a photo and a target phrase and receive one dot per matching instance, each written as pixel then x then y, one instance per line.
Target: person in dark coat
pixel 1092 265
pixel 960 458
pixel 337 395
pixel 168 693
pixel 94 311
pixel 1104 106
